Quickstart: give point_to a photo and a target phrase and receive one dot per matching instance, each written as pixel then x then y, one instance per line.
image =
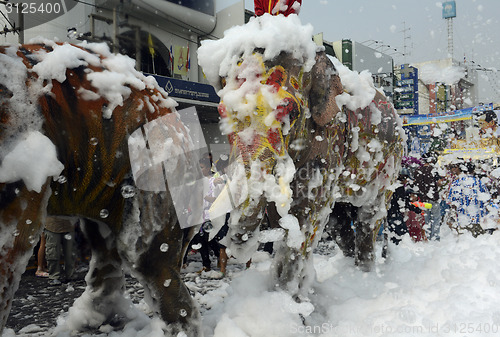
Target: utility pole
pixel 20 18
pixel 405 37
pixel 449 22
pixel 450 12
pixel 115 31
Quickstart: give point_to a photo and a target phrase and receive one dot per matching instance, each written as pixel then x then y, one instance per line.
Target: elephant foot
pixel 90 311
pixel 171 301
pixel 365 264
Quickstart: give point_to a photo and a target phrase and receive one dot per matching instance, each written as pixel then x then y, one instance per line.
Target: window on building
pixel 159 64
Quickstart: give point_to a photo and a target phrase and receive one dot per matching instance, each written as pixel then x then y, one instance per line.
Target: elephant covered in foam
pixel 107 133
pixel 305 133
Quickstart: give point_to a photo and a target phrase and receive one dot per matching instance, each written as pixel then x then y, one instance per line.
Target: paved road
pixel 39 303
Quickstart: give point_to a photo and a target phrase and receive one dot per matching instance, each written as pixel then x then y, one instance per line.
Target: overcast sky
pixel 476 31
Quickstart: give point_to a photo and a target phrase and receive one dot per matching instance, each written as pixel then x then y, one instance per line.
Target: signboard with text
pixel 187 89
pixel 449 9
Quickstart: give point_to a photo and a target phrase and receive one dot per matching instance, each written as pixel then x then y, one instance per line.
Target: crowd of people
pixel 462 194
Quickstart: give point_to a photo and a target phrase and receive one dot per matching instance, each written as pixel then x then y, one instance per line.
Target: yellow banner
pixel 180 58
pixel 151 46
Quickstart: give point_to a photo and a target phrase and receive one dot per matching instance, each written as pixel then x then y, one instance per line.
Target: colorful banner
pixel 151 46
pixel 180 60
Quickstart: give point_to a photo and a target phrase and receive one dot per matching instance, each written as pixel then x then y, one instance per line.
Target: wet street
pixel 37 303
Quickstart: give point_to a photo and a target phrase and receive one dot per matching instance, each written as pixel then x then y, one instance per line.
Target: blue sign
pixel 449 9
pixel 187 89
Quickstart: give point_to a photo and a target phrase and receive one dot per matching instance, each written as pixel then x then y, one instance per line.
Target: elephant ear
pixel 325 87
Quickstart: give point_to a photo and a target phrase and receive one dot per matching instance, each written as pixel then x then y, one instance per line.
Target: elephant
pixel 300 145
pixel 95 113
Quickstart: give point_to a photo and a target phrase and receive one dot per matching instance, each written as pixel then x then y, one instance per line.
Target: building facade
pixel 163 37
pixel 451 86
pixel 359 57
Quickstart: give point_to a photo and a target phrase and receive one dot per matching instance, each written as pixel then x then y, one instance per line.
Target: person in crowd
pixel 219 182
pixel 60 241
pixel 468 197
pixel 275 7
pixel 453 171
pixel 427 184
pixel 399 206
pixel 41 269
pixel 200 241
pixel 416 218
pixel 488 124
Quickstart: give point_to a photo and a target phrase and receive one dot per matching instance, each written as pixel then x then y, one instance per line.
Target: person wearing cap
pixel 276 7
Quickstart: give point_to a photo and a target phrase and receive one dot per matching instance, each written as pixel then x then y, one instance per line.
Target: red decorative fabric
pixel 266 6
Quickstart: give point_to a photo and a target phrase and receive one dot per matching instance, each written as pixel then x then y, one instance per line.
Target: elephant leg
pixel 105 280
pixel 22 214
pixel 153 245
pixel 288 264
pixel 158 269
pixel 366 227
pixel 292 263
pixel 340 228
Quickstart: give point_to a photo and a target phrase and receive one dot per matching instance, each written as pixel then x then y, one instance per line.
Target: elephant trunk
pixel 258 176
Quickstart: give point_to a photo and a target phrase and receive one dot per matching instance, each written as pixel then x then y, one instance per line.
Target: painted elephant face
pixel 262 104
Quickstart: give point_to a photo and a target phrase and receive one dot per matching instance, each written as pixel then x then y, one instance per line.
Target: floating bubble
pixel 196 246
pixel 208 227
pixel 164 247
pixel 128 191
pixel 183 312
pixel 93 141
pixel 166 284
pixel 245 237
pixel 29 222
pixel 104 213
pixel 189 179
pixel 68 237
pixel 62 179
